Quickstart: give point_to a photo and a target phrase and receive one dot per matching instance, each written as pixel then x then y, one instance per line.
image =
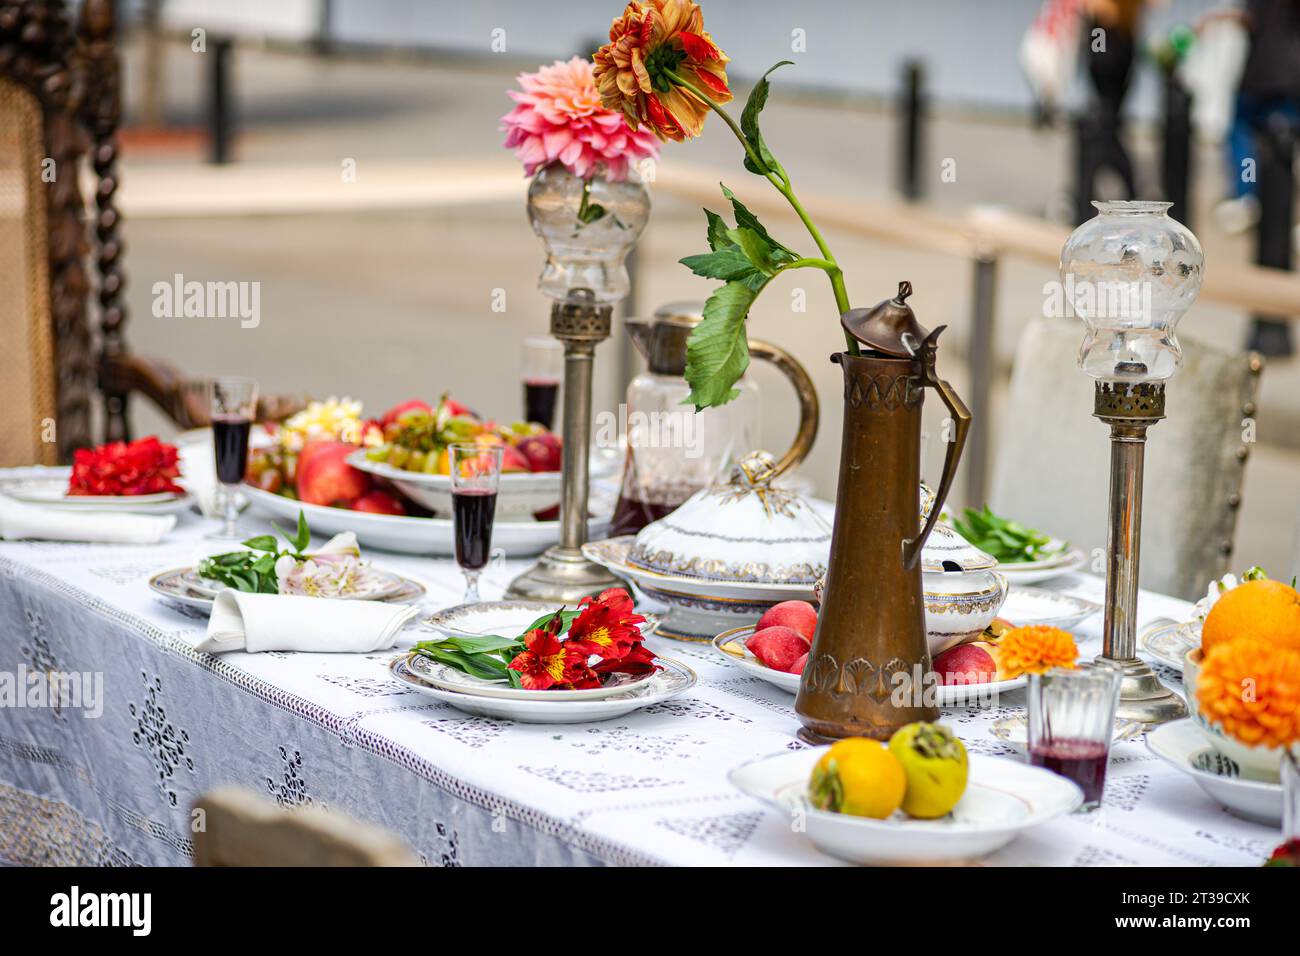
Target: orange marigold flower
pixel 653 45
pixel 1251 688
pixel 1035 649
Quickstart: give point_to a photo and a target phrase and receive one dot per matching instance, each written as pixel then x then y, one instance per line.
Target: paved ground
pixel 387 302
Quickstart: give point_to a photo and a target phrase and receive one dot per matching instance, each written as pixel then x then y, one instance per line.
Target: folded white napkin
pixel 199 475
pixel 280 622
pixel 21 520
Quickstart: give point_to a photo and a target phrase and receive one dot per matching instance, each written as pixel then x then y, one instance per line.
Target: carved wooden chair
pixel 60 104
pixel 1053 457
pixel 240 828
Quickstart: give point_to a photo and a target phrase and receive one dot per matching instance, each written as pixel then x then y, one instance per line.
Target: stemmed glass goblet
pixel 233 407
pixel 475 476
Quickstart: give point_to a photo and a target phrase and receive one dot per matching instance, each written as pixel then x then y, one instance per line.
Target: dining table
pixel 114 780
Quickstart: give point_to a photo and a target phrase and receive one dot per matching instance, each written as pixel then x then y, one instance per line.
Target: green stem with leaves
pixel 780 180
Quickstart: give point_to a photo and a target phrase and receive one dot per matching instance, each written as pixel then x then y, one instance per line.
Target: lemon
pixel 859 777
pixel 936 767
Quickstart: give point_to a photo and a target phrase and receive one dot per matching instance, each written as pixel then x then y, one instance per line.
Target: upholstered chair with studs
pixel 1052 463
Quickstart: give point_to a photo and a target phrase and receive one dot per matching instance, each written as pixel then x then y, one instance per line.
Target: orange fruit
pixel 860 777
pixel 1267 610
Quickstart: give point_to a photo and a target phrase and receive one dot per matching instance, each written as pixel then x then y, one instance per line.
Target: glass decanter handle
pixel 961 425
pixel 809 408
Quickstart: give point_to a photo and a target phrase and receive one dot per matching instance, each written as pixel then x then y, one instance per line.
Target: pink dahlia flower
pixel 558 119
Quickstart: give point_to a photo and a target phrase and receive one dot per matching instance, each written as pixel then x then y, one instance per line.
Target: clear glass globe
pixel 1130 273
pixel 588 227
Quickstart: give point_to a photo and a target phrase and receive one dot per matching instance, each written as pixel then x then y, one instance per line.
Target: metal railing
pixel 983 236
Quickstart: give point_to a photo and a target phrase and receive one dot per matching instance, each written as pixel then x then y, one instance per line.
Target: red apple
pixel 973 663
pixel 513 460
pixel 778 647
pixel 797 666
pixel 326 478
pixel 542 451
pixel 379 502
pixel 799 616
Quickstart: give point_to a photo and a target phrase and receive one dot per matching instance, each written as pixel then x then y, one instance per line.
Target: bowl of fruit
pixel 917 799
pixel 413 455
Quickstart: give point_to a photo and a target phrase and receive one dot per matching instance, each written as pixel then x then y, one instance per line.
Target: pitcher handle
pixel 961 420
pixel 809 409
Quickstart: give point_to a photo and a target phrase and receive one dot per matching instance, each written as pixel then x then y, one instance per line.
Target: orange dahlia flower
pixel 1035 649
pixel 652 47
pixel 1251 688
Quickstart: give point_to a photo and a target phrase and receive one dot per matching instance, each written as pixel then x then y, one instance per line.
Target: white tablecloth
pixel 334 729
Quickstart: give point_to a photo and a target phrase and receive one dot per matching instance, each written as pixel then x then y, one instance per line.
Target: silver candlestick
pixel 1130 409
pixel 1130 273
pixel 562 574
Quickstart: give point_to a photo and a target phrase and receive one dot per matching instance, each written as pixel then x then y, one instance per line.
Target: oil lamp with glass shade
pixel 588 227
pixel 1130 273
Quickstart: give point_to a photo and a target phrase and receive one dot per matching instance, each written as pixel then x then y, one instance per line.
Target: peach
pixel 326 478
pixel 778 647
pixel 967 664
pixel 799 616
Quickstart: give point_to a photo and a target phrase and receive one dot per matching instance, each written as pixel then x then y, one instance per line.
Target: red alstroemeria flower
pixel 607 626
pixel 638 660
pixel 142 467
pixel 546 662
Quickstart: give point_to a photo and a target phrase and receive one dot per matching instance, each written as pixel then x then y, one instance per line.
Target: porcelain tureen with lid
pixel 742 530
pixel 726 554
pixel 963 593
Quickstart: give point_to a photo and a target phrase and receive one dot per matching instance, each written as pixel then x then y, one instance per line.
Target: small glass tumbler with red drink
pixel 475 474
pixel 1072 722
pixel 233 406
pixel 542 370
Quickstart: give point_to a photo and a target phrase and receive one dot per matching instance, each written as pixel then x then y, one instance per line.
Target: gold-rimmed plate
pixel 172 586
pixel 731 645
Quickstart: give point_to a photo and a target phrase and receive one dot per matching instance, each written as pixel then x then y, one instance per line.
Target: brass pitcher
pixel 868 672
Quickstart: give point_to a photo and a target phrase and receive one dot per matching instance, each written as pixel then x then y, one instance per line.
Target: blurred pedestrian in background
pixel 1269 91
pixel 1109 50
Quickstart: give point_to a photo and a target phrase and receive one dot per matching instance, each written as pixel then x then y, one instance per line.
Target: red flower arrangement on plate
pixel 146 466
pixel 562 650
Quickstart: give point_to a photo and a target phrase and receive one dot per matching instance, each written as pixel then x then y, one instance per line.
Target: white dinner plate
pixel 408 535
pixel 49 487
pixel 731 645
pixel 171 586
pixel 1183 746
pixel 375 585
pixel 1003 798
pixel 676 678
pixel 503 618
pixel 1169 641
pixel 1026 606
pixel 446 677
pixel 1030 572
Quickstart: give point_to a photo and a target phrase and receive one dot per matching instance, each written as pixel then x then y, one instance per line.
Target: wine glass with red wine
pixel 543 366
pixel 1072 722
pixel 233 405
pixel 475 474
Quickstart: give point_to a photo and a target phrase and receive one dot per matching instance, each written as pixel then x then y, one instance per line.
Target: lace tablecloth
pixel 335 730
